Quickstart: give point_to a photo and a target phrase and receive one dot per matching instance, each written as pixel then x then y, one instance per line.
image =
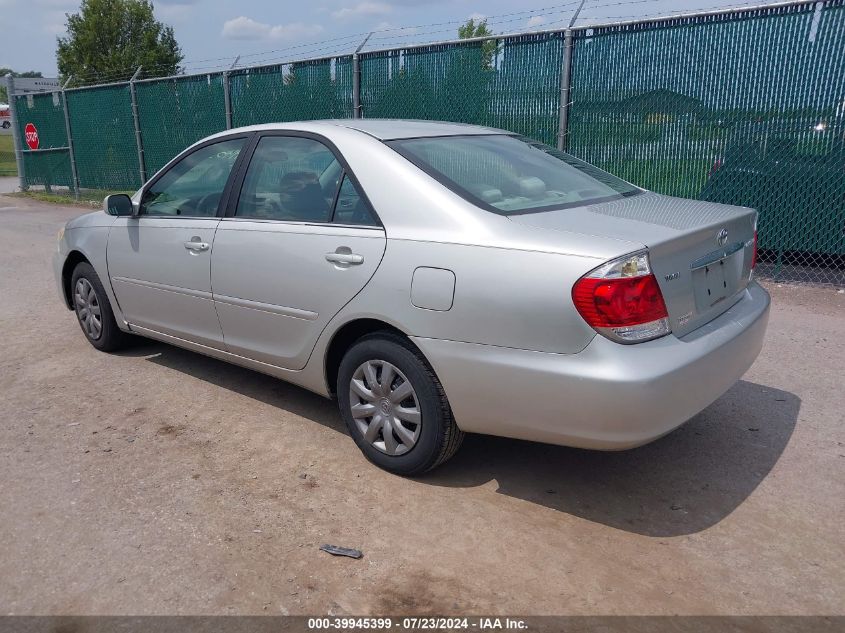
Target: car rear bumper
pixel 607 397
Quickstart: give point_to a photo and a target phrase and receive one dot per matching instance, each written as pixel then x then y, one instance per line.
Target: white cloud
pixel 477 17
pixel 174 13
pixel 244 28
pixel 536 20
pixel 363 8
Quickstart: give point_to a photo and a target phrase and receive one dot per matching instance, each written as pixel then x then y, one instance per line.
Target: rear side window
pixel 509 174
pixel 290 178
pixel 298 179
pixel 351 208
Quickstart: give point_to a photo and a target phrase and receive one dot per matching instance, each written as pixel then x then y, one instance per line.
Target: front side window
pixel 193 186
pixel 510 174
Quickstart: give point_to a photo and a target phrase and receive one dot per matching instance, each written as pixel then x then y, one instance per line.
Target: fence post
pixel 73 174
pixel 142 168
pixel 16 134
pixel 227 100
pixel 356 79
pixel 565 81
pixel 227 94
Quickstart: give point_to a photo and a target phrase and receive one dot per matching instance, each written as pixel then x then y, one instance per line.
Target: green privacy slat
pixel 46 113
pixel 175 113
pixel 746 110
pixel 104 138
pixel 513 83
pixel 320 89
pixel 48 168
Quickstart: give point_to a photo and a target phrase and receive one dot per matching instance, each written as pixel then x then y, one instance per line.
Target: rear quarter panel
pixel 504 297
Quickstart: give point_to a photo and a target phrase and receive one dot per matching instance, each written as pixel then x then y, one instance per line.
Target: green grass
pixel 90 198
pixel 7 156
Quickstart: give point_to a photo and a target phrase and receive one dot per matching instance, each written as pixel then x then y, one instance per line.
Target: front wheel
pixel 394 406
pixel 93 309
pixel 6 125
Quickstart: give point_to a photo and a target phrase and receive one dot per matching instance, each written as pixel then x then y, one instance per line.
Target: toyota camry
pixel 436 279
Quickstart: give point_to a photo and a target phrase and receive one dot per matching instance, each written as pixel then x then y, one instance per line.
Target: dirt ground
pixel 158 481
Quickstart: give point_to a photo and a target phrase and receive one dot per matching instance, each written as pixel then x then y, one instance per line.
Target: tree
pixel 489 48
pixel 8 71
pixel 108 39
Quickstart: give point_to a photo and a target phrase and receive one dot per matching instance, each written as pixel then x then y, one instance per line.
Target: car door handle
pixel 350 259
pixel 196 246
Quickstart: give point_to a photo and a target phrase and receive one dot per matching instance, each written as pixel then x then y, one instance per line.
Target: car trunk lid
pixel 699 251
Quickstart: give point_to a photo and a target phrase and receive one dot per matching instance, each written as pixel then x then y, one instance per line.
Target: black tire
pixel 439 437
pixel 110 337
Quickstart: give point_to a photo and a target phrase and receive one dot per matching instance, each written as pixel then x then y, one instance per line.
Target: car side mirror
pixel 118 204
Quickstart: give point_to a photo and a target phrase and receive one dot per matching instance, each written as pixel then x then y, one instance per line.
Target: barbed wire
pixel 151 72
pixel 345 44
pixel 191 66
pixel 669 13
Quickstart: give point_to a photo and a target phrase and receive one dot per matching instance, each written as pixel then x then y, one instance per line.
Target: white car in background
pixel 5 116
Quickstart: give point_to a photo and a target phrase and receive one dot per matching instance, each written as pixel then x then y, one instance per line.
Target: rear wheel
pixel 394 405
pixel 93 310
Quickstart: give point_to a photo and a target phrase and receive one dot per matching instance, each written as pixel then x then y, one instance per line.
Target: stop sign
pixel 31 134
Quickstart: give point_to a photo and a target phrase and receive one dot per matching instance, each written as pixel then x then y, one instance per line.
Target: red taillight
pixel 622 300
pixel 619 302
pixel 754 252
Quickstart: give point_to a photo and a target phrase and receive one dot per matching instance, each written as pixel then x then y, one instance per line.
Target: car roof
pixel 391 129
pixel 382 129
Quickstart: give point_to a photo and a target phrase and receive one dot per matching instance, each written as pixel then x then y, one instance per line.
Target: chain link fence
pixel 104 137
pixel 313 89
pixel 511 83
pixel 175 113
pixel 50 166
pixel 743 107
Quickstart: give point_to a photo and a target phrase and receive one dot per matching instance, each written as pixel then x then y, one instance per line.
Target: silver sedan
pixel 435 278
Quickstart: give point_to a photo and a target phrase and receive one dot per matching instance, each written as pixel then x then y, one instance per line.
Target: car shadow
pixel 252 384
pixel 681 484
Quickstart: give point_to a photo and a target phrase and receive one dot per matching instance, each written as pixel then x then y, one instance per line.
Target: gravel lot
pixel 160 481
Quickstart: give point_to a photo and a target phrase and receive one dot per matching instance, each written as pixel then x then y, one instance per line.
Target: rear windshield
pixel 512 174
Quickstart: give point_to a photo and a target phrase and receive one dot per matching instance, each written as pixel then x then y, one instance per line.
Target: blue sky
pixel 213 32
